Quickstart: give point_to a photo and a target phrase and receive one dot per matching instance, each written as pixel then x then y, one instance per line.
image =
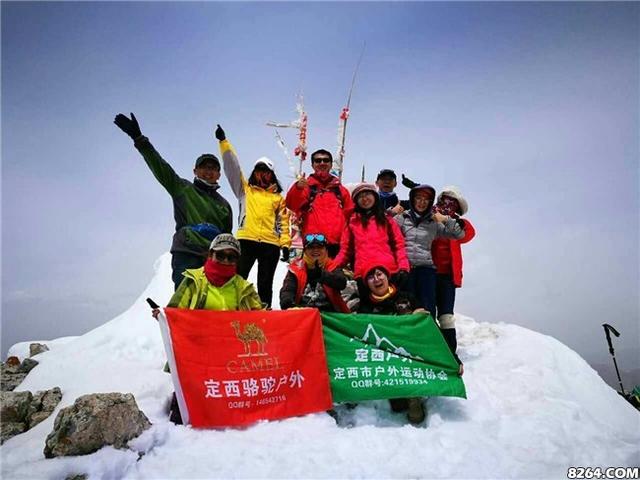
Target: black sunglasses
pixel 230 257
pixel 322 160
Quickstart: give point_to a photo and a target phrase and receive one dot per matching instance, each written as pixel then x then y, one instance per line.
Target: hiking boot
pixel 415 413
pixel 399 404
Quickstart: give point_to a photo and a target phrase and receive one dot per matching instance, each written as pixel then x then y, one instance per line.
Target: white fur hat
pixel 454 192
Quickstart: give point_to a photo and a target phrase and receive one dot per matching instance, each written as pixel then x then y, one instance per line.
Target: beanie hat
pixel 364 187
pixel 264 161
pixel 453 192
pixel 224 241
pixel 386 172
pixel 207 157
pixel 424 186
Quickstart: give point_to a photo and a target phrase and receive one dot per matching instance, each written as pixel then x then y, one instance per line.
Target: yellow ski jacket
pixel 263 214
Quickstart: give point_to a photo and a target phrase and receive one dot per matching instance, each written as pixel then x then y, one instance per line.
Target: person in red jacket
pixel 314 280
pixel 447 257
pixel 321 202
pixel 372 237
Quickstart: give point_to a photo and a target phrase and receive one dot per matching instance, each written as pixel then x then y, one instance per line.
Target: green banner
pixel 373 357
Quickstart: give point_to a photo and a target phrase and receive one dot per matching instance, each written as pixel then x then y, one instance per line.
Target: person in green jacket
pixel 215 286
pixel 200 212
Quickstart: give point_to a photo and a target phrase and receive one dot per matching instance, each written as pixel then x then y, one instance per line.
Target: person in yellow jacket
pixel 264 219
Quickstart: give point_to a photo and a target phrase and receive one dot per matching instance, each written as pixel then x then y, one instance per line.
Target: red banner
pixel 234 368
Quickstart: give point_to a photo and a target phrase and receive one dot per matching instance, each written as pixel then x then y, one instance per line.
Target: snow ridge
pixel 534 408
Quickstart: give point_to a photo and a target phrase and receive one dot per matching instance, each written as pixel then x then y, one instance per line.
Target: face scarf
pixel 217 273
pixel 447 205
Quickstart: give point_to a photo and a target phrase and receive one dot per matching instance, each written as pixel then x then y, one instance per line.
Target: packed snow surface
pixel 534 408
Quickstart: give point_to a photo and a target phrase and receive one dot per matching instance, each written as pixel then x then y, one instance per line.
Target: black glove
pixel 401 279
pixel 315 273
pixel 220 134
pixel 285 250
pixel 334 279
pixel 128 126
pixel 407 182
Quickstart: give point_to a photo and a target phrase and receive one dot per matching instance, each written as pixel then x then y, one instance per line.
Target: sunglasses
pixel 315 237
pixel 322 160
pixel 226 257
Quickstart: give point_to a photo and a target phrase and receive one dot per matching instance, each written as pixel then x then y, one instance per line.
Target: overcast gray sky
pixel 531 109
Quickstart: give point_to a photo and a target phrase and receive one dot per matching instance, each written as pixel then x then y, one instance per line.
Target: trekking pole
pixel 608 328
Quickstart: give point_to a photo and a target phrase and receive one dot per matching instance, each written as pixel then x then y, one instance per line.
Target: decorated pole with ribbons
pixel 300 123
pixel 342 123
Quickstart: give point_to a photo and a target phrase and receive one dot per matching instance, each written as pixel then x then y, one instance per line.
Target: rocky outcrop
pixel 13 372
pixel 36 348
pixel 14 407
pixel 42 405
pixel 94 421
pixel 20 411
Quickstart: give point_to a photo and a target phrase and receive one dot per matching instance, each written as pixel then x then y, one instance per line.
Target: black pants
pixel 445 294
pixel 267 256
pixel 181 261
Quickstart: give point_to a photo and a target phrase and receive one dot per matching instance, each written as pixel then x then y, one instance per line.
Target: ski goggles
pixel 315 238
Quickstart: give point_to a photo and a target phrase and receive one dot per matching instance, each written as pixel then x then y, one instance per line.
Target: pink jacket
pixel 372 245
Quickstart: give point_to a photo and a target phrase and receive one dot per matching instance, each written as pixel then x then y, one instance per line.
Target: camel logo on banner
pixel 254 359
pixel 250 333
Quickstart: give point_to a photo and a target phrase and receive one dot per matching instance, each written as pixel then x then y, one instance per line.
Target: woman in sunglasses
pixel 217 286
pixel 313 280
pixel 263 222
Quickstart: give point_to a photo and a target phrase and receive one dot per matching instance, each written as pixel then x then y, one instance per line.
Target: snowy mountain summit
pixel 534 408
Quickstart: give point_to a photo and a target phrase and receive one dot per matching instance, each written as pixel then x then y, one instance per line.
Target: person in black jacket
pixel 313 280
pixel 383 298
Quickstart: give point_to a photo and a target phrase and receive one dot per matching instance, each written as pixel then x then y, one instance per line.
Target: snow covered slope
pixel 535 408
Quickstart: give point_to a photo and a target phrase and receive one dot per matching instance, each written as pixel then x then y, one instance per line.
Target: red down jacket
pixel 328 212
pixel 373 245
pixel 454 250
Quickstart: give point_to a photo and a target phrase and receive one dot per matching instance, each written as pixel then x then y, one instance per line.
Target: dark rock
pixel 78 476
pixel 10 429
pixel 14 406
pixel 27 365
pixel 10 380
pixel 43 404
pixel 94 421
pixel 36 348
pixel 13 413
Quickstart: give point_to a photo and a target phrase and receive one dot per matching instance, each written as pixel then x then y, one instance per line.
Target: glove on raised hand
pixel 407 182
pixel 128 126
pixel 220 134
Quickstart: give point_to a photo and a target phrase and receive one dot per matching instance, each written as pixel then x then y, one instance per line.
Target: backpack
pixel 313 191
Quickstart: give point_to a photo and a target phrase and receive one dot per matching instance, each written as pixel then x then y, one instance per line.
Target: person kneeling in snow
pixel 216 286
pixel 313 280
pixel 384 298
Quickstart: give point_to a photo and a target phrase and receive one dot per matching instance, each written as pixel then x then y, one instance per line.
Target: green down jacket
pixel 194 203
